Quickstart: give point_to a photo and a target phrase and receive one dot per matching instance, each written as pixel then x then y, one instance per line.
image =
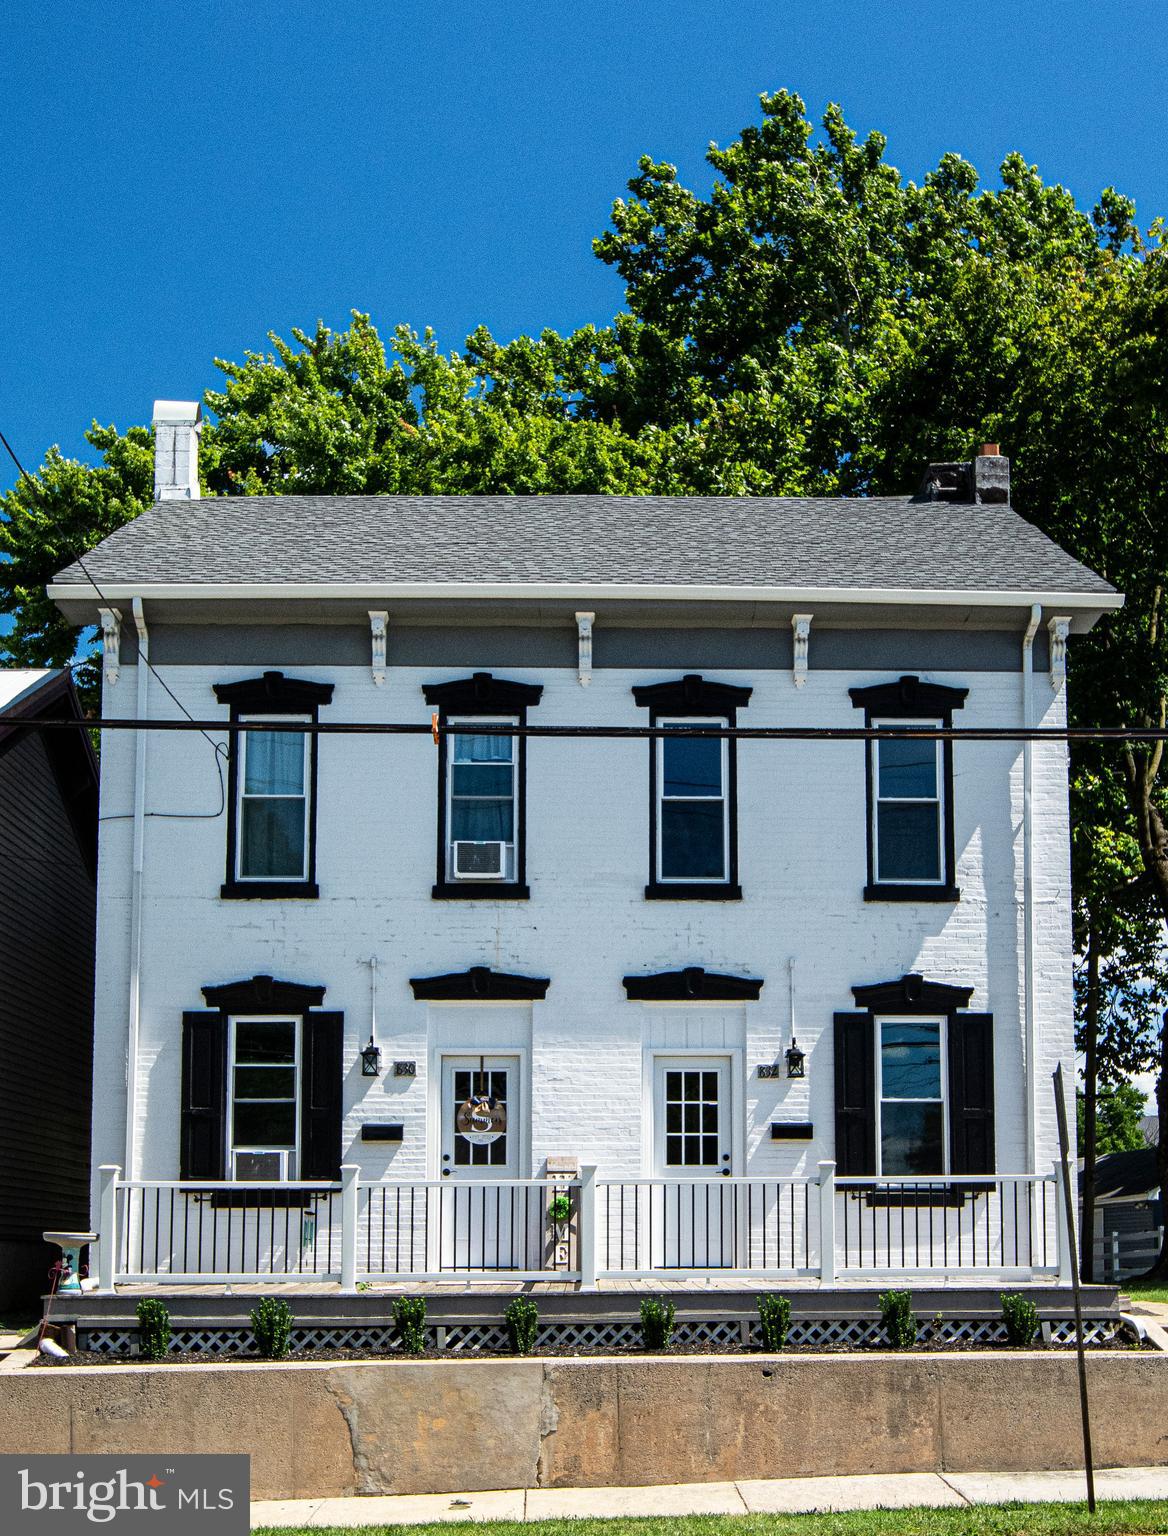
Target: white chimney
pixel 177 424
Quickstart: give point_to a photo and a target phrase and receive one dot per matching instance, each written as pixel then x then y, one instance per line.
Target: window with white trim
pixel 274 793
pixel 908 808
pixel 693 820
pixel 912 1138
pixel 263 1089
pixel 482 810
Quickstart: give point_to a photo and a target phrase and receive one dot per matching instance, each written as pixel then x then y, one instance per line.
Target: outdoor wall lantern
pixel 371 1060
pixel 796 1060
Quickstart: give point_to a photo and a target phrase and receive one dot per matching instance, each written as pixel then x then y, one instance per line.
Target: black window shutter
pixel 971 1092
pixel 855 1094
pixel 202 1137
pixel 320 1110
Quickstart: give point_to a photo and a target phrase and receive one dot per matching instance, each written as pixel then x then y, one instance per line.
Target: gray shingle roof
pixel 791 542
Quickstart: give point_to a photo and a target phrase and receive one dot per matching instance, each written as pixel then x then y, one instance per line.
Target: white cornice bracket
pixel 801 629
pixel 584 634
pixel 378 628
pixel 1060 628
pixel 111 643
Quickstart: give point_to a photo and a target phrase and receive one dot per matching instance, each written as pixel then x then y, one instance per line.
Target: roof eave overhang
pixel 79 603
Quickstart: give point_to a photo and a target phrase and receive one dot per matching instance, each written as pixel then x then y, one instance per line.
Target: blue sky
pixel 178 180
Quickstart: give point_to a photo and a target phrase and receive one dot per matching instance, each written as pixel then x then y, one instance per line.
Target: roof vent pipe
pixel 177 424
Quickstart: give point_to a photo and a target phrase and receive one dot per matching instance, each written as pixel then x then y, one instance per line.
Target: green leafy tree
pixel 48 520
pixel 1121 1113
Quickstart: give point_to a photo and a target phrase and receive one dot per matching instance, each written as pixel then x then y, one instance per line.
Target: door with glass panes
pixel 484 1221
pixel 693 1221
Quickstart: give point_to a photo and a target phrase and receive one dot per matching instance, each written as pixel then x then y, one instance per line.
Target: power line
pixel 986 733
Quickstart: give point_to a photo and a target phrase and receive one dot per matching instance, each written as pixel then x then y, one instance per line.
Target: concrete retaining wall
pixel 324 1430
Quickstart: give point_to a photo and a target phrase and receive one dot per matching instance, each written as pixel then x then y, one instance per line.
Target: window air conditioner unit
pixel 257 1163
pixel 480 861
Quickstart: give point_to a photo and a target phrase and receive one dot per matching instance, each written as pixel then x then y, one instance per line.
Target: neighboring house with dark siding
pixel 48 903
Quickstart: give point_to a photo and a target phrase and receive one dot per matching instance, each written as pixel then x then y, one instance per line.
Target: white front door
pixel 484 1219
pixel 694 1213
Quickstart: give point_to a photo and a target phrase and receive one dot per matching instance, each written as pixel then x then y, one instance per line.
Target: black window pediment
pixel 909 698
pixel 692 695
pixel 482 693
pixel 263 994
pixel 274 693
pixel 693 984
pixel 912 994
pixel 479 984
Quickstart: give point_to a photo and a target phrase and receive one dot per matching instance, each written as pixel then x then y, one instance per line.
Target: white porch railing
pixel 1007 1226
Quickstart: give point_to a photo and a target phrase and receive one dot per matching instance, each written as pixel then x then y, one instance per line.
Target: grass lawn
pixel 1114 1518
pixel 1145 1290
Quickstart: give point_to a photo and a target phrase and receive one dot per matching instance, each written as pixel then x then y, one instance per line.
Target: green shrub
pixel 774 1316
pixel 409 1314
pixel 896 1313
pixel 560 1207
pixel 153 1328
pixel 656 1323
pixel 522 1318
pixel 1020 1316
pixel 271 1325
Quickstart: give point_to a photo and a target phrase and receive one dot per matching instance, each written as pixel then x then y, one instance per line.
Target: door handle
pixel 725 1173
pixel 446 1173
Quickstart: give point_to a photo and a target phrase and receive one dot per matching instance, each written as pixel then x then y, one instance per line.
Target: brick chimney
pixel 984 479
pixel 991 475
pixel 177 424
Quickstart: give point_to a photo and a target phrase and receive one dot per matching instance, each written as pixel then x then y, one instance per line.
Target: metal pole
pixel 1060 1106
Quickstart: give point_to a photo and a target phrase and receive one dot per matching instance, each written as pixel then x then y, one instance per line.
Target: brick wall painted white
pixel 802 860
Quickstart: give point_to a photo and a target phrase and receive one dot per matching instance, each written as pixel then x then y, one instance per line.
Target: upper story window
pixel 912 1138
pixel 908 829
pixel 911 840
pixel 693 821
pixel 263 1094
pixel 482 786
pixel 482 814
pixel 274 804
pixel 693 791
pixel 271 810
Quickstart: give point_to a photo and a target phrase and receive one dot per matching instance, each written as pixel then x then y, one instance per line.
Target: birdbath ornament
pixel 70 1244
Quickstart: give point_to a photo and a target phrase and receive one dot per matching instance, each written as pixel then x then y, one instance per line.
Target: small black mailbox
pixel 382 1131
pixel 791 1130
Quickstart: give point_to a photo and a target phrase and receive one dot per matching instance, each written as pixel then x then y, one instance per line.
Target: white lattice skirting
pixel 469 1338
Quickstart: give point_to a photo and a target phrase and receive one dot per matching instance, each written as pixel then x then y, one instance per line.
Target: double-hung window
pixel 693 813
pixel 914 1082
pixel 907 794
pixel 482 786
pixel 274 804
pixel 693 789
pixel 272 795
pixel 482 812
pixel 910 834
pixel 263 1098
pixel 913 1137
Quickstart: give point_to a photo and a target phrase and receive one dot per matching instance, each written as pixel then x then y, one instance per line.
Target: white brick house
pixel 616 940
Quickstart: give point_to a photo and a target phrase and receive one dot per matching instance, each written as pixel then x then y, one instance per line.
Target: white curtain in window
pixel 275 763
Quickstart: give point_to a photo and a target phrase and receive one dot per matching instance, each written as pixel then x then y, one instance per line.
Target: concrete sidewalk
pixel 791 1495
